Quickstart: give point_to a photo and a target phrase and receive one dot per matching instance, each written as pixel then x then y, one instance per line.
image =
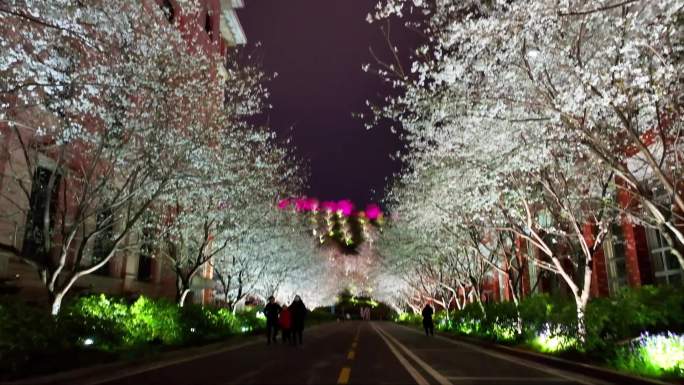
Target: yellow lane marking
pixel 350 355
pixel 344 376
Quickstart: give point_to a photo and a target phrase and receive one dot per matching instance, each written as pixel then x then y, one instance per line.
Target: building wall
pixel 633 244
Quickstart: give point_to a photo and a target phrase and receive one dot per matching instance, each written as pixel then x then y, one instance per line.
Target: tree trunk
pixel 516 302
pixel 56 301
pixel 182 297
pixel 182 289
pixel 581 322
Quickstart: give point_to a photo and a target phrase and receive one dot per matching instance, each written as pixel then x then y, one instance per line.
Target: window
pixel 208 25
pixel 42 199
pixel 614 249
pixel 544 218
pixel 666 268
pixel 146 252
pixel 103 241
pixel 168 10
pixel 534 276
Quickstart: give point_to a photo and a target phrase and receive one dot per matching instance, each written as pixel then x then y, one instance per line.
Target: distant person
pixel 298 312
pixel 428 325
pixel 271 312
pixel 365 313
pixel 285 324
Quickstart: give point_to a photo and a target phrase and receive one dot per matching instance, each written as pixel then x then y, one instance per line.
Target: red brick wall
pixel 599 276
pixel 626 200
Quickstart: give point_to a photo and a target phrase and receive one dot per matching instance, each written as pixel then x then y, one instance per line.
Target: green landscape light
pixel 664 351
pixel 505 332
pixel 551 340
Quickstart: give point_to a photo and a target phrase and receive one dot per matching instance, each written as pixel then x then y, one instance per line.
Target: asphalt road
pixel 356 353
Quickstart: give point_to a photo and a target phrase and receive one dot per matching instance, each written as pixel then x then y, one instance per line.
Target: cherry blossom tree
pixel 511 110
pixel 105 115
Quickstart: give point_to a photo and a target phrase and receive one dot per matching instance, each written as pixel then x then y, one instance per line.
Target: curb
pixel 594 371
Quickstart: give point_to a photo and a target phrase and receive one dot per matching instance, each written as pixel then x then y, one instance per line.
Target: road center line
pixel 344 375
pixel 435 374
pixel 351 355
pixel 420 380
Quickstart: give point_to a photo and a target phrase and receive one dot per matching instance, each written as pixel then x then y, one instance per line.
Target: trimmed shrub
pixel 97 320
pixel 156 321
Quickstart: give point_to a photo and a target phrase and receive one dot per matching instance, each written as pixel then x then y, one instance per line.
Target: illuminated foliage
pixel 111 323
pixel 552 340
pixel 654 355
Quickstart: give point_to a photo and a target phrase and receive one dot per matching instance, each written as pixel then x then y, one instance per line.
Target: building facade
pixel 631 256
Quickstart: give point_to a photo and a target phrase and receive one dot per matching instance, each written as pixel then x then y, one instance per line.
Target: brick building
pixel 632 255
pixel 214 28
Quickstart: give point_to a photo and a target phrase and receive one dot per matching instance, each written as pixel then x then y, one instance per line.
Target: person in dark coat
pixel 271 312
pixel 428 325
pixel 298 314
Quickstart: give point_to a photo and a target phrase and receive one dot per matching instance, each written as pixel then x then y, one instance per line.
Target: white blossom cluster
pixel 141 134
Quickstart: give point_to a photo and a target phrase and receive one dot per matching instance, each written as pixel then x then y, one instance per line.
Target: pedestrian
pixel 298 312
pixel 285 324
pixel 271 312
pixel 428 325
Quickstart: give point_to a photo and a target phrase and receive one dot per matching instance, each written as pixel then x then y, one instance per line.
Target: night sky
pixel 317 47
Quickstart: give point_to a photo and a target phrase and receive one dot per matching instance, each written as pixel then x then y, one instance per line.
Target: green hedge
pixel 102 327
pixel 626 330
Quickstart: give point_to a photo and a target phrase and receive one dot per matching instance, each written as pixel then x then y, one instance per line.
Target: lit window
pixel 614 249
pixel 534 275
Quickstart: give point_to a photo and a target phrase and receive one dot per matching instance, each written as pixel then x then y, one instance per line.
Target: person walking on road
pixel 298 312
pixel 285 324
pixel 428 325
pixel 271 312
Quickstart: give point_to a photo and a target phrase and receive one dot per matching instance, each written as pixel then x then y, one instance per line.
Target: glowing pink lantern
pixel 284 203
pixel 329 206
pixel 345 207
pixel 313 204
pixel 373 211
pixel 302 204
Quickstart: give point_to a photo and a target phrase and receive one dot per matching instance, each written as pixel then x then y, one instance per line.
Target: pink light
pixel 302 204
pixel 313 204
pixel 284 203
pixel 345 206
pixel 329 206
pixel 373 211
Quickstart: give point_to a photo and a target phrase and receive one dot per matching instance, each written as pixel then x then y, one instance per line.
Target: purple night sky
pixel 317 47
